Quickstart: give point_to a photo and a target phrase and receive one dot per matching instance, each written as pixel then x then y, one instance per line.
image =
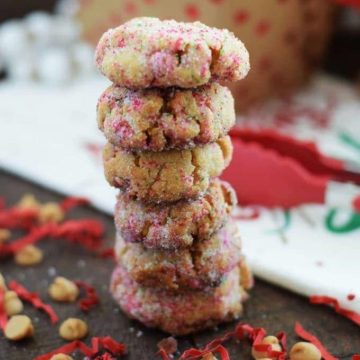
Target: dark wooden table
pixel 270 307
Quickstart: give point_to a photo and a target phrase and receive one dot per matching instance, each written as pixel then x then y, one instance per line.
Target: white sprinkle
pixel 51 271
pixel 81 263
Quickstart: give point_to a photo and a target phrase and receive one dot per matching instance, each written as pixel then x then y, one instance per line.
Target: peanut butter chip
pixel 12 304
pixel 19 327
pixel 29 255
pixel 63 290
pixel 51 212
pixel 4 235
pixel 61 357
pixel 2 283
pixel 269 340
pixel 304 351
pixel 73 329
pixel 209 357
pixel 28 201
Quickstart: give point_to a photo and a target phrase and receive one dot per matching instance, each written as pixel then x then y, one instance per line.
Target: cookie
pixel 166 176
pixel 202 265
pixel 175 225
pixel 161 119
pixel 179 314
pixel 147 52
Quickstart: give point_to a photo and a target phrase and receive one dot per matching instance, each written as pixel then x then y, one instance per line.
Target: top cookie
pixel 146 52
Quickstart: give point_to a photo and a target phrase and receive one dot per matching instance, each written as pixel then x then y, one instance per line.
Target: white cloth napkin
pixel 49 135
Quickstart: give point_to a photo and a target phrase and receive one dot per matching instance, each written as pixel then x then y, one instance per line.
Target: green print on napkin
pixel 353 223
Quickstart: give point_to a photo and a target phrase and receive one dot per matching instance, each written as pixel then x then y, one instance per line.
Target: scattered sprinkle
pixel 34 299
pixel 327 300
pixel 91 298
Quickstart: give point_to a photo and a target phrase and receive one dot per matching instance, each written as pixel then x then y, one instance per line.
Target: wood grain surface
pixel 270 307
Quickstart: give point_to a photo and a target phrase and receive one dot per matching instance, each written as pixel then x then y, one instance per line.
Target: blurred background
pixel 51 41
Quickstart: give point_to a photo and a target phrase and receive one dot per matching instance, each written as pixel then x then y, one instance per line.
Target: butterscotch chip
pixel 51 212
pixel 12 304
pixel 2 283
pixel 209 357
pixel 28 201
pixel 73 329
pixel 19 327
pixel 247 279
pixel 61 357
pixel 63 290
pixel 304 351
pixel 4 235
pixel 268 340
pixel 29 255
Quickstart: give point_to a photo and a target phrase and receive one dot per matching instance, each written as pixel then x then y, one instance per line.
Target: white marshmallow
pixel 54 66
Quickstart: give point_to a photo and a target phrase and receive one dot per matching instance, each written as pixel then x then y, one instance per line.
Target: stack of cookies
pixel 166 119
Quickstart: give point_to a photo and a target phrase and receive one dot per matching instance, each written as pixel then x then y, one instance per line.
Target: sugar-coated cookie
pixel 175 225
pixel 147 52
pixel 166 176
pixel 179 314
pixel 202 265
pixel 161 119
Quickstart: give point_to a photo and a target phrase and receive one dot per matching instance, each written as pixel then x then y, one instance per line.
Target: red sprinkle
pixel 355 357
pixel 305 335
pixel 14 218
pixel 97 344
pixel 34 299
pixel 86 232
pixel 3 315
pixel 72 202
pixel 241 332
pixel 327 300
pixel 67 349
pixel 351 297
pixel 91 299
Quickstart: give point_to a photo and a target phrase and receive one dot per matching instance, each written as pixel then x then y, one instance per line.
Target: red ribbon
pixel 34 299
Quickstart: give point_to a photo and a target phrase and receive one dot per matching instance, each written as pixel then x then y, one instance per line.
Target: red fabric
pixel 305 335
pixel 34 299
pixel 272 169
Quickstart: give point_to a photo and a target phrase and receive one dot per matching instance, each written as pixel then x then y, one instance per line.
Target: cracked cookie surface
pixel 175 225
pixel 166 176
pixel 179 314
pixel 200 266
pixel 162 119
pixel 147 52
